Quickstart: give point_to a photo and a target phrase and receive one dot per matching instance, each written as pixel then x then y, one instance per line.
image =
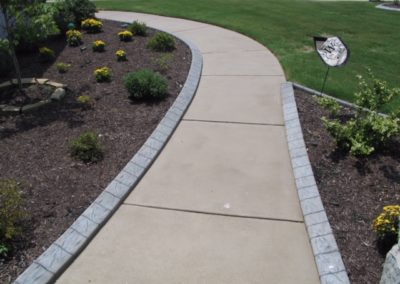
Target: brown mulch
pixel 353 190
pixel 34 148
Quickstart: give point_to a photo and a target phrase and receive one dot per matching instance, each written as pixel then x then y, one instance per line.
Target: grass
pixel 287 26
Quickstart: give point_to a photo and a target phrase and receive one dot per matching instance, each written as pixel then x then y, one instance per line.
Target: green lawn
pixel 286 27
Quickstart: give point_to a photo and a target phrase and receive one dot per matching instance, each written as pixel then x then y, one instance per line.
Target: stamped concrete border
pixel 47 267
pixel 326 252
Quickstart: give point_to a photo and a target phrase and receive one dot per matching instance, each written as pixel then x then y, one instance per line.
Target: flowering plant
pixel 74 37
pixel 98 46
pixel 92 25
pixel 386 225
pixel 121 55
pixel 102 74
pixel 125 35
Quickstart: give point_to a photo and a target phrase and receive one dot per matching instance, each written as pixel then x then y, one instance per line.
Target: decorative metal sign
pixel 332 50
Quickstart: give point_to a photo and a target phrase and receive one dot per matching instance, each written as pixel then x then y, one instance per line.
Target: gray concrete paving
pixel 219 204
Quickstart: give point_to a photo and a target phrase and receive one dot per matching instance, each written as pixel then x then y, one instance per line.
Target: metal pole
pixel 323 85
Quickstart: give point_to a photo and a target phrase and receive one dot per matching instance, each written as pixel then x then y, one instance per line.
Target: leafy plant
pixel 330 104
pixel 386 225
pixel 73 11
pixel 63 67
pixel 162 42
pixel 125 36
pixel 4 250
pixel 121 55
pixel 98 46
pixel 87 148
pixel 46 54
pixel 85 101
pixel 368 130
pixel 102 74
pixel 145 84
pixel 138 28
pixel 74 37
pixel 11 210
pixel 163 62
pixel 92 25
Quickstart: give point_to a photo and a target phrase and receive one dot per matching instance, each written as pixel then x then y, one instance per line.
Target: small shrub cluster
pixel 102 74
pixel 63 67
pixel 138 28
pixel 125 36
pixel 163 62
pixel 85 101
pixel 386 225
pixel 162 42
pixel 368 130
pixel 145 84
pixel 98 46
pixel 92 25
pixel 46 54
pixel 11 212
pixel 121 55
pixel 87 148
pixel 74 37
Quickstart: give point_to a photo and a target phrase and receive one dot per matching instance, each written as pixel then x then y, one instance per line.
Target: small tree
pixel 28 20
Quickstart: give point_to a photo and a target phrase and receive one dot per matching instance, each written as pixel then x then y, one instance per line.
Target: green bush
pixel 330 104
pixel 73 11
pixel 145 84
pixel 63 67
pixel 163 62
pixel 368 130
pixel 87 148
pixel 11 211
pixel 162 42
pixel 138 28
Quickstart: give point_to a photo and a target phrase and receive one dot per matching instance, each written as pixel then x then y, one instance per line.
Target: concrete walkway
pixel 219 205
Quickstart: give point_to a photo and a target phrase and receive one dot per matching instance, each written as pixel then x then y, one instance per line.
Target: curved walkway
pixel 219 205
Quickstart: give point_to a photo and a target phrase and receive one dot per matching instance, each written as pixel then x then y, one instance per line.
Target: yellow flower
pixel 125 35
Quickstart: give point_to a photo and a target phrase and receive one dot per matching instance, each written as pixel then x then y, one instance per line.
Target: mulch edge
pixel 54 261
pixel 327 256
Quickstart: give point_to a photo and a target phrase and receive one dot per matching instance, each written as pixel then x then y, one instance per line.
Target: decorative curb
pixel 391 267
pixel 57 95
pixel 48 266
pixel 383 7
pixel 326 252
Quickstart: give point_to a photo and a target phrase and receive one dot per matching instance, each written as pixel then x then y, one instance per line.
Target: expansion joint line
pixel 231 122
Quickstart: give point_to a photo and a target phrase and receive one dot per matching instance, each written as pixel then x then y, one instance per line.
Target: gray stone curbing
pixel 391 267
pixel 47 267
pixel 383 7
pixel 326 252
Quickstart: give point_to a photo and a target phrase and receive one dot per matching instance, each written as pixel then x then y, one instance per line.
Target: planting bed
pixel 34 147
pixel 353 190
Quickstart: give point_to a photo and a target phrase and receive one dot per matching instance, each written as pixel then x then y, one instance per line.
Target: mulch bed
pixel 34 148
pixel 353 190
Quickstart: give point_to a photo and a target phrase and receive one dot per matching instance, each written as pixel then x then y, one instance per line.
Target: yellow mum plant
pixel 92 25
pixel 102 74
pixel 98 46
pixel 121 55
pixel 125 35
pixel 386 225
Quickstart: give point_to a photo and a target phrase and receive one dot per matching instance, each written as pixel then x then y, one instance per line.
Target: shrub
pixel 87 148
pixel 63 67
pixel 102 74
pixel 386 225
pixel 330 104
pixel 74 37
pixel 11 211
pixel 121 55
pixel 145 84
pixel 125 36
pixel 92 25
pixel 46 54
pixel 162 42
pixel 163 62
pixel 368 130
pixel 98 46
pixel 73 11
pixel 138 28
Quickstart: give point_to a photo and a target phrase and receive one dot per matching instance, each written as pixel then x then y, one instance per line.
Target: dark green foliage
pixel 73 11
pixel 162 42
pixel 87 148
pixel 11 212
pixel 138 28
pixel 145 84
